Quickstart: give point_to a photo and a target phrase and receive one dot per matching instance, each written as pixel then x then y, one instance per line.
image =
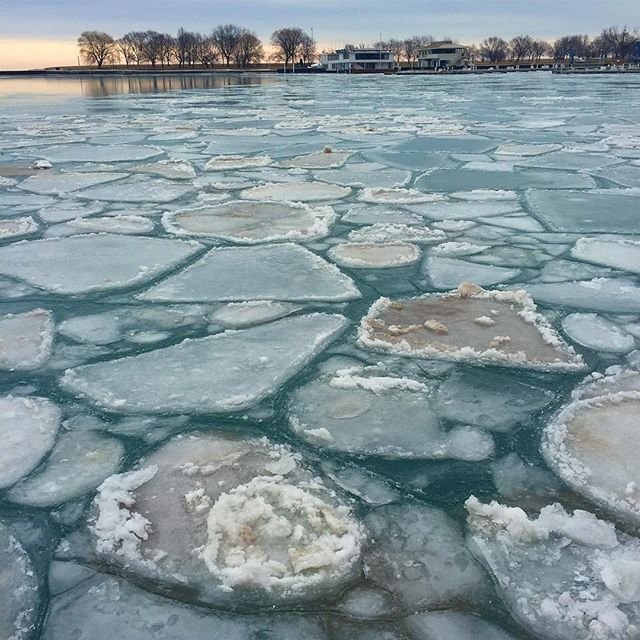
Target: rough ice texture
pixel 252 222
pixel 273 534
pixel 240 521
pixel 570 577
pixel 223 373
pixel 616 253
pixel 365 412
pixel 285 272
pixel 28 429
pixel 396 195
pixel 232 162
pixel 106 607
pixel 95 262
pixel 130 225
pixel 17 227
pixel 26 340
pixel 77 464
pixel 589 445
pixel 19 590
pixel 521 338
pixel 597 333
pixel 362 255
pixel 172 169
pixel 418 554
pixel 384 233
pixel 296 192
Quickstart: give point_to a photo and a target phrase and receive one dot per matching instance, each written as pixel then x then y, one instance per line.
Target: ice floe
pixel 88 263
pixel 519 149
pixel 172 169
pixel 616 253
pixel 285 272
pixel 127 225
pixel 232 162
pixel 104 607
pixel 493 401
pixel 141 189
pixel 362 255
pixel 99 153
pixel 587 445
pixel 597 333
pixel 396 195
pixel 451 326
pixel 454 625
pixel 296 192
pixel 385 233
pixel 26 340
pixel 448 273
pixel 236 369
pixel 252 222
pixel 418 554
pixel 50 183
pixel 239 521
pixel 17 227
pixel 366 412
pixel 566 576
pixel 239 315
pixel 28 429
pixel 77 464
pixel 19 589
pixel 328 158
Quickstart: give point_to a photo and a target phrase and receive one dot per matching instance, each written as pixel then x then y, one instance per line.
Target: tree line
pixel 227 44
pixel 230 44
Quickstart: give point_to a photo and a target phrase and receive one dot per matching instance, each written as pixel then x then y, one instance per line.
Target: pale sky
pixel 36 33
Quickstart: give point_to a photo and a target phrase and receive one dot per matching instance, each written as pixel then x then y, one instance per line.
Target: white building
pixel 443 55
pixel 356 60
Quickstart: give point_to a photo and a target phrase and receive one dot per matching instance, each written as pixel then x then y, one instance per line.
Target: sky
pixel 37 33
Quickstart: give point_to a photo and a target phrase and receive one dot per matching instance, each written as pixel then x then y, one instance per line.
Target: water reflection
pixel 105 86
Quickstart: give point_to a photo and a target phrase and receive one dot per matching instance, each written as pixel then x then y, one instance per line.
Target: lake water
pixel 246 392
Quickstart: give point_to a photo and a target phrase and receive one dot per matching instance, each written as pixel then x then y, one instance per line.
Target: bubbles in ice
pixel 252 222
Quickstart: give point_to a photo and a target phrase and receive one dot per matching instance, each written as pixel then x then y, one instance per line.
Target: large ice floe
pixel 26 340
pixel 28 429
pixel 368 412
pixel 90 263
pixel 587 444
pixel 216 519
pixel 418 554
pixel 396 195
pixel 469 325
pixel 99 153
pixel 382 233
pixel 564 576
pixel 296 192
pixel 446 273
pixel 325 159
pixel 367 255
pixel 617 253
pixel 285 272
pixel 222 373
pixel 103 607
pixel 453 625
pixel 232 162
pixel 139 189
pixel 19 589
pixel 252 222
pixel 50 183
pixel 597 333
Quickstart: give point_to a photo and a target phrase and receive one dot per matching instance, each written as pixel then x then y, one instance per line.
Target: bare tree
pixel 307 50
pixel 411 46
pixel 520 47
pixel 494 49
pixel 538 49
pixel 204 51
pixel 570 47
pixel 96 47
pixel 225 39
pixel 249 50
pixel 622 41
pixel 126 47
pixel 287 43
pixel 186 43
pixel 600 48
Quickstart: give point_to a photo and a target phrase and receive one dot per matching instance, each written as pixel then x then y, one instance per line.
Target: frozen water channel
pixel 320 357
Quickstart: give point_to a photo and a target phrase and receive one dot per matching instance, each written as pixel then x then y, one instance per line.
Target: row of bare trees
pixel 227 44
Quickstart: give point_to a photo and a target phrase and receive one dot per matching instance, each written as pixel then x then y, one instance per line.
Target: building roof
pixel 448 44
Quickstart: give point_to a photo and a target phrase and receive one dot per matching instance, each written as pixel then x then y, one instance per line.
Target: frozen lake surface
pixel 320 357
